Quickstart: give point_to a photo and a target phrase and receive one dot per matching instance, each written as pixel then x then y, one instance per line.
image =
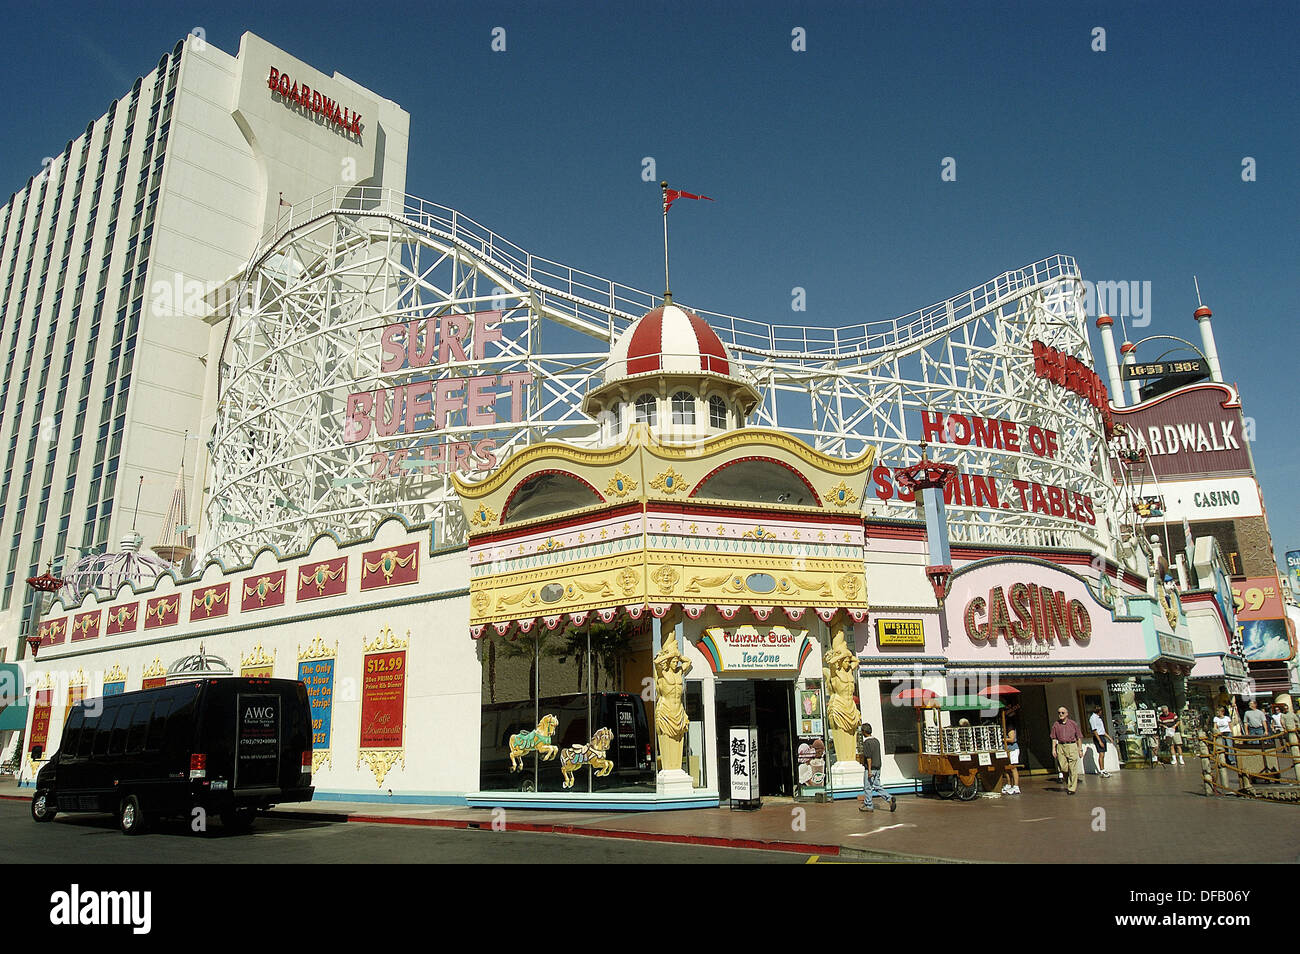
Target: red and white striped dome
pixel 667 339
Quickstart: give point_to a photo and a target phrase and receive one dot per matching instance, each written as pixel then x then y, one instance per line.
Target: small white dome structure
pixel 670 371
pixel 104 573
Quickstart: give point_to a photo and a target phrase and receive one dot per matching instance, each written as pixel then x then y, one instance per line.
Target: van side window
pixel 89 729
pixel 154 739
pixel 117 744
pixel 104 730
pixel 72 733
pixel 138 727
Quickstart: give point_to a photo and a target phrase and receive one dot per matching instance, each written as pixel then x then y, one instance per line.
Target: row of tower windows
pixel 682 407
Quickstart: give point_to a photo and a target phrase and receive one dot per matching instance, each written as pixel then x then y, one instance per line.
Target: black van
pixel 229 746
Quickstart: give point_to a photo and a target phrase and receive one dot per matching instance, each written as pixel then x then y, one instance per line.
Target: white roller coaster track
pixel 339 267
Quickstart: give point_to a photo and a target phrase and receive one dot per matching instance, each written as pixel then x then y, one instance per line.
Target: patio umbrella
pixel 999 690
pixel 917 695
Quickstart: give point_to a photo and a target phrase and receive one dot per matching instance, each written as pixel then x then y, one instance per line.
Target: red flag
pixel 672 195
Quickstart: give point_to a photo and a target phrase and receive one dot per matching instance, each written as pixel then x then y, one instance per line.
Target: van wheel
pixel 42 807
pixel 129 817
pixel 239 819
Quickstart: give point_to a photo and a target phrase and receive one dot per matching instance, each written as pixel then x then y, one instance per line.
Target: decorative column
pixel 671 721
pixel 840 671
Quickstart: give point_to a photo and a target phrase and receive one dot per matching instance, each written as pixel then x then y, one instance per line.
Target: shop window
pixel 898 722
pixel 589 682
pixel 509 706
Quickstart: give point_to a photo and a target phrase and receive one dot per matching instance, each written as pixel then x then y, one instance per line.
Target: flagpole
pixel 668 295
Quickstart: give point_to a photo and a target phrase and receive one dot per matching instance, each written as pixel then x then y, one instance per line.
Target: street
pixel 94 839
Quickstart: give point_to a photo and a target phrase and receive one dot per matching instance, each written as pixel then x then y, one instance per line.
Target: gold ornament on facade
pixel 821 588
pixel 627 580
pixel 620 485
pixel 670 482
pixel 841 495
pixel 263 587
pixel 849 585
pixel 665 578
pixel 161 609
pixel 318 650
pixel 482 516
pixel 481 603
pixel 387 563
pixel 381 762
pixel 758 533
pixel 209 599
pixel 386 641
pixel 116 674
pixel 122 615
pixel 321 575
pixel 257 659
pixel 155 669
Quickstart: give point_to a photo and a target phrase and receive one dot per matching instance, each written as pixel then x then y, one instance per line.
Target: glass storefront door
pixel 767 704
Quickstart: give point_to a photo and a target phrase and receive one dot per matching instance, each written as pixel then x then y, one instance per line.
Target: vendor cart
pixel 957 756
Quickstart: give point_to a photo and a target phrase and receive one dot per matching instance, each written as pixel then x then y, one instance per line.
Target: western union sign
pixel 899 632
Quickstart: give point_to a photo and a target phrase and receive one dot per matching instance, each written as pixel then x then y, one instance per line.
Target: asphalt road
pixel 94 839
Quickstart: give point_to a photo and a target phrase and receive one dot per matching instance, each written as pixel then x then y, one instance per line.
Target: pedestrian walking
pixel 1013 763
pixel 1067 738
pixel 869 756
pixel 1172 729
pixel 1287 718
pixel 1101 739
pixel 1256 720
pixel 1223 731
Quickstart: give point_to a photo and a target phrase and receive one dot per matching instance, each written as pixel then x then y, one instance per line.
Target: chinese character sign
pixel 742 760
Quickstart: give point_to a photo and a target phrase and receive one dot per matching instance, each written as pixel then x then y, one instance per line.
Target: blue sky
pixel 825 163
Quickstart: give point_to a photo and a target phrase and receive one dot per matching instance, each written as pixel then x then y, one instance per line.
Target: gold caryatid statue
pixel 670 712
pixel 840 669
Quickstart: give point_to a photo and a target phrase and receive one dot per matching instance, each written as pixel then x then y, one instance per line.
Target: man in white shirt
pixel 1100 737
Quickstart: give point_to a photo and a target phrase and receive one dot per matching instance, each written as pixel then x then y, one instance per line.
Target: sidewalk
pixel 1137 816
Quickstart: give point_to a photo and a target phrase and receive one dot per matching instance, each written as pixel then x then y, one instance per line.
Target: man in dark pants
pixel 869 756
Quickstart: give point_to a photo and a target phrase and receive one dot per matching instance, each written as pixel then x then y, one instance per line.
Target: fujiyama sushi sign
pixel 748 649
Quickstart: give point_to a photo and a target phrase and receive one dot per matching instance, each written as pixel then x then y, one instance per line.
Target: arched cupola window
pixel 645 410
pixel 717 412
pixel 683 408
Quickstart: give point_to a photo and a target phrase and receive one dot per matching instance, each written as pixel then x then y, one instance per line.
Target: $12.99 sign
pixel 383 698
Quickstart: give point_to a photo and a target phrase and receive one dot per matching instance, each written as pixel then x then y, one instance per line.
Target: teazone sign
pixel 314 101
pixel 1029 613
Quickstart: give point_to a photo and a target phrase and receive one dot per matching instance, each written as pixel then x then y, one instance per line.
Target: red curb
pixel 15 798
pixel 703 840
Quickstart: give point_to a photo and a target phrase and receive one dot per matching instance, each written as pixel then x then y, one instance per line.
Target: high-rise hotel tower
pixel 110 259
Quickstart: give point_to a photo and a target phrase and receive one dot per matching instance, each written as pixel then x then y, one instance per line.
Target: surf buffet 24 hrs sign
pixel 434 401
